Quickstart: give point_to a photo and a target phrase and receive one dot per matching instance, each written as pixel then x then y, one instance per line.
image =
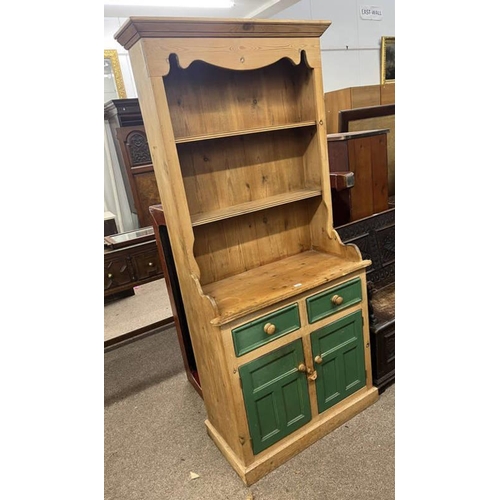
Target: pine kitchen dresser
pixel 276 304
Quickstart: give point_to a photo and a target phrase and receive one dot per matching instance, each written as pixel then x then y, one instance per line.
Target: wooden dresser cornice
pixel 161 27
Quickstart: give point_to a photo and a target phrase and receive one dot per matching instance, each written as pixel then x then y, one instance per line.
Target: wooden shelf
pixel 237 133
pixel 263 286
pixel 253 206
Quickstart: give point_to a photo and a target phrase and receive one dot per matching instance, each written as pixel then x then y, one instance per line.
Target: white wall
pixel 351 45
pixel 359 64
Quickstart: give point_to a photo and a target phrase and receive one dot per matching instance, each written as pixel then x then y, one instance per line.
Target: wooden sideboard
pixel 134 261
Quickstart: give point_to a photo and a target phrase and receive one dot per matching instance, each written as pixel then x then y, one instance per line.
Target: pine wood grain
pixel 143 27
pixel 252 290
pixel 242 132
pixel 229 247
pixel 253 206
pixel 207 100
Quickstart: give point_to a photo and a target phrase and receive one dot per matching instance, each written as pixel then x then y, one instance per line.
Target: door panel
pixel 341 371
pixel 276 395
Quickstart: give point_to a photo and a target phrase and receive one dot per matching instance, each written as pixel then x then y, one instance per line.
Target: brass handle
pixel 318 359
pixel 110 275
pixel 311 374
pixel 269 328
pixel 337 300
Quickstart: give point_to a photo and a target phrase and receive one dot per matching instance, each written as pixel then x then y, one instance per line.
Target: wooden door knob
pixel 302 368
pixel 318 359
pixel 269 328
pixel 337 300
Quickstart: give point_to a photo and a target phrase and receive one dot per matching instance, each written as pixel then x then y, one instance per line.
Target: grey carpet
pixel 149 304
pixel 155 437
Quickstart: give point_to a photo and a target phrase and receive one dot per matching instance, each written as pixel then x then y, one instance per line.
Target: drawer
pixel 116 273
pixel 323 304
pixel 251 335
pixel 147 264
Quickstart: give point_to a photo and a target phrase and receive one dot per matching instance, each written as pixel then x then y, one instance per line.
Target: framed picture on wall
pixel 388 60
pixel 114 87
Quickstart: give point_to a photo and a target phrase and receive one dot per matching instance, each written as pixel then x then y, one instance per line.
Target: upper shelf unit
pixel 207 101
pixel 245 139
pixel 241 125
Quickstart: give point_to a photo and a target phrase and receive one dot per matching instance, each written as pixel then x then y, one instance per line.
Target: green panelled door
pixel 341 367
pixel 276 395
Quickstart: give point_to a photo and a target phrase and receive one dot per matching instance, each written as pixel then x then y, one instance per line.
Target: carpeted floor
pixel 155 438
pixel 149 304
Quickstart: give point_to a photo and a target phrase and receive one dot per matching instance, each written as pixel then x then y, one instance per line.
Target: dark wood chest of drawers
pixel 127 267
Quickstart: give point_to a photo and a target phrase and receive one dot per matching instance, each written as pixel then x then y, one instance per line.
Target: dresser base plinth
pixel 278 454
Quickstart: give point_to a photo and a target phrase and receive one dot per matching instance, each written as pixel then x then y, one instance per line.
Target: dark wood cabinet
pixel 174 294
pixel 375 237
pixel 132 149
pixel 131 265
pixel 358 174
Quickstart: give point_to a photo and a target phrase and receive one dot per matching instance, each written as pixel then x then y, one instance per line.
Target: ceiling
pixel 241 9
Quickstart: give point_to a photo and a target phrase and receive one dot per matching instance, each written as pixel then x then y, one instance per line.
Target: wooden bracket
pixel 341 180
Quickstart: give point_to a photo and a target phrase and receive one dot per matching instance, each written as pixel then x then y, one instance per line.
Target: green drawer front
pixel 276 395
pixel 248 337
pixel 341 371
pixel 320 306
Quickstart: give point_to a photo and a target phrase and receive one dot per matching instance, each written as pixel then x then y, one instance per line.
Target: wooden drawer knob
pixel 337 300
pixel 269 328
pixel 318 359
pixel 302 368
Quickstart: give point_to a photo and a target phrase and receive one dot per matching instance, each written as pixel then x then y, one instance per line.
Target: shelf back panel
pixel 205 99
pixel 236 245
pixel 224 172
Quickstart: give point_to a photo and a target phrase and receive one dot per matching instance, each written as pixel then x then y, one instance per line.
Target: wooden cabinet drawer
pixel 116 273
pixel 128 266
pixel 335 299
pixel 147 264
pixel 251 335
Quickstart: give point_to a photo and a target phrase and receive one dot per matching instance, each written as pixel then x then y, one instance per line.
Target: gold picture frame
pixel 112 70
pixel 388 60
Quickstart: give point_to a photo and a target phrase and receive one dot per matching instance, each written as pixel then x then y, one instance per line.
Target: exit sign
pixel 370 12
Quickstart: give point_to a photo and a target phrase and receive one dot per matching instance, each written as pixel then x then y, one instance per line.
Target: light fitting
pixel 200 4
